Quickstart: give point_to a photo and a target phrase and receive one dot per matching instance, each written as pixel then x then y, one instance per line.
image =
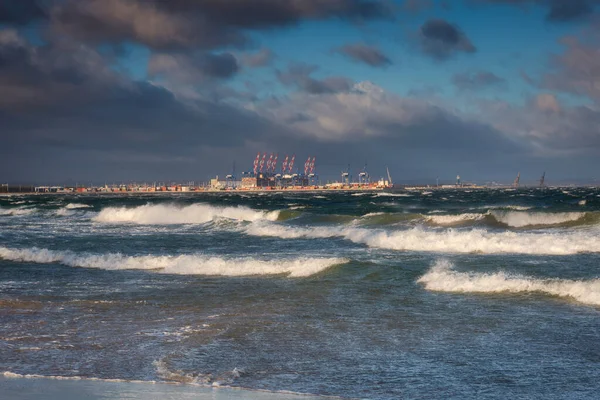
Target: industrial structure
pixel 267 175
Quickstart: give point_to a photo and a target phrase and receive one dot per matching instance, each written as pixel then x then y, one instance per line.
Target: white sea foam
pixel 163 371
pixel 445 241
pixel 387 194
pixel 16 211
pixel 453 219
pixel 519 219
pixel 71 206
pixel 13 375
pixel 161 214
pixel 504 207
pixel 373 214
pixel 441 277
pixel 63 212
pixel 192 264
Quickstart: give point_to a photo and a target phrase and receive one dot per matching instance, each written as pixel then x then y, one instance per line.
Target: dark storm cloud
pixel 60 101
pixel 477 80
pixel 192 68
pixel 203 24
pixel 552 127
pixel 558 10
pixel 32 77
pixel 561 10
pixel 298 75
pixel 364 53
pixel 441 40
pixel 20 12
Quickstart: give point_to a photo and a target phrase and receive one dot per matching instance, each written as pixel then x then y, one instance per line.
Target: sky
pixel 182 90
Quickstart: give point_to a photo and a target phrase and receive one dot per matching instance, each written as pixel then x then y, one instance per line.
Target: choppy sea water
pixel 447 293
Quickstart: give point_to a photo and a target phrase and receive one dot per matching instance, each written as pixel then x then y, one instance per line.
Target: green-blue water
pixel 449 293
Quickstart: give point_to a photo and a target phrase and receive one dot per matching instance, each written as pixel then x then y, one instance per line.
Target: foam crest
pixel 442 278
pixel 519 219
pixel 16 211
pixel 454 219
pixel 193 264
pixel 163 214
pixel 387 194
pixel 13 375
pixel 72 206
pixel 446 241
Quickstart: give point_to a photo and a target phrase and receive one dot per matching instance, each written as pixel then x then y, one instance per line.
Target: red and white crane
pixel 256 163
pixel 274 163
pixel 307 166
pixel 284 164
pixel 262 162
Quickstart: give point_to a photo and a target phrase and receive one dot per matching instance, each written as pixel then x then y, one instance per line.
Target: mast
pixel 389 176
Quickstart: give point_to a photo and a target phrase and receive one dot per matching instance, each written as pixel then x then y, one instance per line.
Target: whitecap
pixel 188 264
pixel 443 278
pixel 163 214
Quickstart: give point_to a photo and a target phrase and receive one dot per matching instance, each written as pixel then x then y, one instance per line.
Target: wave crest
pixel 72 206
pixel 446 241
pixel 16 211
pixel 161 214
pixel 192 264
pixel 442 278
pixel 454 219
pixel 520 219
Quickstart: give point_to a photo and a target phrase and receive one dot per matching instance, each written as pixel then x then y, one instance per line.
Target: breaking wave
pixel 514 219
pixel 442 278
pixel 446 241
pixel 193 264
pixel 388 194
pixel 16 211
pixel 454 219
pixel 72 206
pixel 161 214
pixel 519 219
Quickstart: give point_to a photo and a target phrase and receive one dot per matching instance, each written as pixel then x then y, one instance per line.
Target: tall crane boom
pixel 284 165
pixel 256 163
pixel 262 162
pixel 274 163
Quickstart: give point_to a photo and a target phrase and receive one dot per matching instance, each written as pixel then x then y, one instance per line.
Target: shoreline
pixel 30 387
pixel 254 191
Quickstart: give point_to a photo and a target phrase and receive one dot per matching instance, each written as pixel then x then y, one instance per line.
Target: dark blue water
pixel 448 293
